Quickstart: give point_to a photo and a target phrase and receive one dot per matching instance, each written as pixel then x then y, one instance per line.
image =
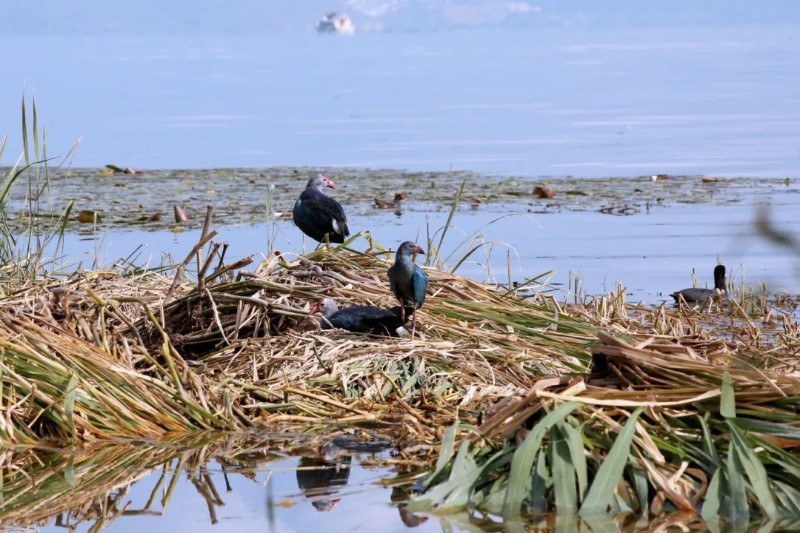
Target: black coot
pixel 695 295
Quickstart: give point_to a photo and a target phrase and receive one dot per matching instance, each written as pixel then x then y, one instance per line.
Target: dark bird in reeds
pixel 361 318
pixel 319 216
pixel 695 295
pixel 396 203
pixel 408 281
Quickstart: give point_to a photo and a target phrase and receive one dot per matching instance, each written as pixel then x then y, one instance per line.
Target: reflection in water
pixel 136 486
pixel 401 494
pixel 163 485
pixel 320 480
pixel 205 487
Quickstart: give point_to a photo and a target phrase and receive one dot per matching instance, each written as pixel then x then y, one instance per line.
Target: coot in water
pixel 695 295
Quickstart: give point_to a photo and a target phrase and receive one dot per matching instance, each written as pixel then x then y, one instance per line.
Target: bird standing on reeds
pixel 361 318
pixel 408 281
pixel 319 216
pixel 695 295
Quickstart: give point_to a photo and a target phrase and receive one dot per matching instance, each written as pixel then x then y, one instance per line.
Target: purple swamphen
pixel 360 318
pixel 408 281
pixel 318 215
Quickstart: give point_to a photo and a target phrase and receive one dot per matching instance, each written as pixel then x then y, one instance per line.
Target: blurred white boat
pixel 335 23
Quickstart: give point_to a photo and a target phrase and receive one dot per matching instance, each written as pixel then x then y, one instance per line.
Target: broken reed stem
pixel 203 234
pixel 182 267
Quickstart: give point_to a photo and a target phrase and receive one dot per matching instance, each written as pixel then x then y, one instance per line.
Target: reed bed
pixel 546 409
pixel 656 428
pixel 107 355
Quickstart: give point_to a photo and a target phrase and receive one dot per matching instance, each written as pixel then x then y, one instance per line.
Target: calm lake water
pixel 651 254
pixel 545 89
pixel 572 92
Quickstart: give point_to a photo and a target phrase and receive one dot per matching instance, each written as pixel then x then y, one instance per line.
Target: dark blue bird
pixel 408 281
pixel 695 295
pixel 360 318
pixel 318 215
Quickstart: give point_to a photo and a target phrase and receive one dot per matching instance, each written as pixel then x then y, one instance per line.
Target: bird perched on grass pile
pixel 360 318
pixel 319 216
pixel 408 281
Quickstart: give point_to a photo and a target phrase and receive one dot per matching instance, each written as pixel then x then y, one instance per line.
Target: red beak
pixel 328 182
pixel 314 308
pixel 418 250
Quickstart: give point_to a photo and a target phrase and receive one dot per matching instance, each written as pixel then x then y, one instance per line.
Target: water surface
pixel 538 99
pixel 652 254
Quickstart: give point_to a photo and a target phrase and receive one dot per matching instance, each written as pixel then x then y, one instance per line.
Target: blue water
pixel 563 90
pixel 651 254
pixel 269 501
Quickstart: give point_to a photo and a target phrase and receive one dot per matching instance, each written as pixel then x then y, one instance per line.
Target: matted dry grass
pixel 102 355
pixel 106 355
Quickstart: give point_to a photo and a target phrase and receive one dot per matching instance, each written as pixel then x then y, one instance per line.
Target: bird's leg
pixel 413 321
pixel 402 312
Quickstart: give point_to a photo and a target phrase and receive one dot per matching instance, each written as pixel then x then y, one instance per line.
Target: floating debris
pixel 543 192
pixel 87 216
pixel 127 170
pixel 333 23
pixel 180 214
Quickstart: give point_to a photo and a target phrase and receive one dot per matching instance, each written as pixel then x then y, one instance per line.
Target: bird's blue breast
pixel 420 281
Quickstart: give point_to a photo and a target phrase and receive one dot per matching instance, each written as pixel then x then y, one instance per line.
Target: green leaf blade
pixel 603 488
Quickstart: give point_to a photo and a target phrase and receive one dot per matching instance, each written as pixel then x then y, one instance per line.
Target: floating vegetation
pixel 128 200
pixel 652 429
pixel 145 354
